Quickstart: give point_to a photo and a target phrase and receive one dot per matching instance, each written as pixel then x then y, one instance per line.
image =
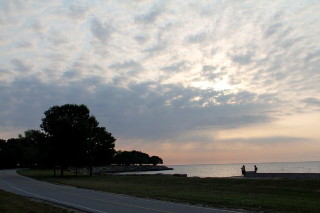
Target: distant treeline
pixel 33 150
pixel 69 136
pixel 135 157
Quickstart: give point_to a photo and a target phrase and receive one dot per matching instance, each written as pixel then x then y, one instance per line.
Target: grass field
pixel 269 195
pixel 10 203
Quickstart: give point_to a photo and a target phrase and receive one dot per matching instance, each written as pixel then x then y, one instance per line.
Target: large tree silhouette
pixel 75 136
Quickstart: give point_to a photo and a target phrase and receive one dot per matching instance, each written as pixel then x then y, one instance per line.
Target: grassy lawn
pixel 270 195
pixel 10 203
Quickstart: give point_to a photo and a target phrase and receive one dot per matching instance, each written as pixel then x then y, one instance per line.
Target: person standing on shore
pixel 255 169
pixel 243 170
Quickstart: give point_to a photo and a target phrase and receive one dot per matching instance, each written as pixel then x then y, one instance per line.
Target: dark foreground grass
pixel 269 195
pixel 10 203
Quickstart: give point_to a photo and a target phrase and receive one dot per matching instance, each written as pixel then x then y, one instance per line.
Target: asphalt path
pixel 91 200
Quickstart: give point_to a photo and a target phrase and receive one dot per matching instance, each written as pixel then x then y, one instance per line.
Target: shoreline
pixel 114 169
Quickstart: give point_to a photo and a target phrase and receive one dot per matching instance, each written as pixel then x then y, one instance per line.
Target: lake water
pixel 229 170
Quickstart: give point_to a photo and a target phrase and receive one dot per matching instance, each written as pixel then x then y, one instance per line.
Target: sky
pixel 192 81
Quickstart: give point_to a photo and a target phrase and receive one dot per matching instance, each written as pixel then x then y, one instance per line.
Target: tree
pixel 139 157
pixel 35 148
pixel 155 160
pixel 75 136
pixel 123 158
pixel 135 157
pixel 13 153
pixel 3 154
pixel 66 126
pixel 24 151
pixel 100 148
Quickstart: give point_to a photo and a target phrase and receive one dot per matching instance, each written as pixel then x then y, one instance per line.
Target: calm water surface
pixel 228 170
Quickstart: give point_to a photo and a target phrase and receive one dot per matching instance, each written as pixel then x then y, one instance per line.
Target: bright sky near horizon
pixel 191 81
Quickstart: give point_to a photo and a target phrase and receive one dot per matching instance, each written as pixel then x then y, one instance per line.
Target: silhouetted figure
pixel 255 169
pixel 243 170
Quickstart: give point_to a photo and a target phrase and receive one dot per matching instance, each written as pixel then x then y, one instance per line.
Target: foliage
pixel 11 153
pixel 135 157
pixel 101 147
pixel 155 160
pixel 26 151
pixel 68 126
pixel 3 153
pixel 70 136
pixel 76 137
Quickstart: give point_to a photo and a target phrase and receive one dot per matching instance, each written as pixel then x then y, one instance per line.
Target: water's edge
pixel 121 169
pixel 231 170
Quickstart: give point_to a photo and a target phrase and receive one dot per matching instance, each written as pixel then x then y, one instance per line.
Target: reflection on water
pixel 228 170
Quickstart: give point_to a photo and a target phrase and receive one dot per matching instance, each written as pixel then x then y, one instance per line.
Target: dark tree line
pixel 136 157
pixel 69 136
pixel 30 150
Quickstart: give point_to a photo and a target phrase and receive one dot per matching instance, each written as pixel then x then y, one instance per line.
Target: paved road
pixel 90 200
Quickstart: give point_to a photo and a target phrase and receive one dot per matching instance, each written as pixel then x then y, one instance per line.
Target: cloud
pixel 101 31
pixel 57 38
pixel 197 38
pixel 313 102
pixel 157 44
pixel 267 140
pixel 273 29
pixel 176 67
pixel 71 74
pixel 148 18
pixel 154 49
pixel 242 58
pixel 5 74
pixel 127 71
pixel 152 71
pixel 208 68
pixel 312 56
pixel 77 11
pixel 211 73
pixel 146 110
pixel 20 66
pixel 141 38
pixel 125 65
pixel 25 44
pixel 151 15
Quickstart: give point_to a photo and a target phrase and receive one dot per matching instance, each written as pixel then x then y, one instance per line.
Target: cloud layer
pixel 153 71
